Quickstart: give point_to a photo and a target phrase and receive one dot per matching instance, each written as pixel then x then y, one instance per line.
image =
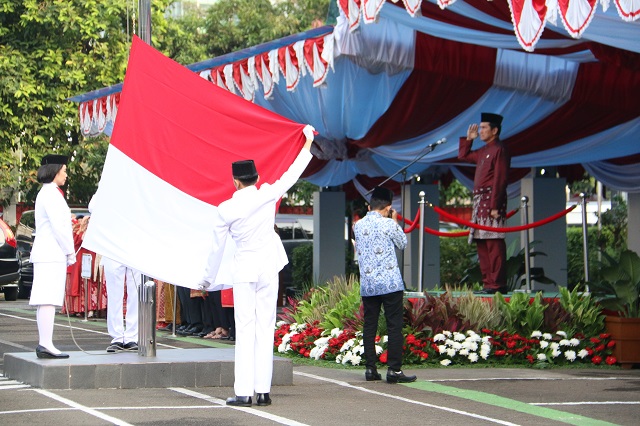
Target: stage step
pixel 198 367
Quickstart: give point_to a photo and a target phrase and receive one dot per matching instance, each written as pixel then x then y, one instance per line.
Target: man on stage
pixel 489 198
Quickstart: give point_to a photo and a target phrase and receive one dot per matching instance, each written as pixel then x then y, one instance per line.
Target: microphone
pixel 439 142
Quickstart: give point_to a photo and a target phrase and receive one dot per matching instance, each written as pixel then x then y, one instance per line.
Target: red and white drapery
pixel 313 56
pixel 95 114
pixel 528 16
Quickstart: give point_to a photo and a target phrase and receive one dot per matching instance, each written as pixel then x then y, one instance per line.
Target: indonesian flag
pixel 169 165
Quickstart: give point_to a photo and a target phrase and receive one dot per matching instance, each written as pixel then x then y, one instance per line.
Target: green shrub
pixel 454 259
pixel 521 314
pixel 302 265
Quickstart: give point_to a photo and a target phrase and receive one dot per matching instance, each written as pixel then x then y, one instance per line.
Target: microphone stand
pixel 403 170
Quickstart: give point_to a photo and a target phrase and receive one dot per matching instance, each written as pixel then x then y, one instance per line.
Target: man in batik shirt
pixel 377 235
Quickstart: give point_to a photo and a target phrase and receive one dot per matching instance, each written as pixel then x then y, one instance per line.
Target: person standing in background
pixel 489 198
pixel 377 236
pixel 52 251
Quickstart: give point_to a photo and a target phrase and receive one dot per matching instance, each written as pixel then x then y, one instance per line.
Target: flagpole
pixel 147 290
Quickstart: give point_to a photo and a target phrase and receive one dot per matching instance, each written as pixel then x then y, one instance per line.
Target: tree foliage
pixel 51 50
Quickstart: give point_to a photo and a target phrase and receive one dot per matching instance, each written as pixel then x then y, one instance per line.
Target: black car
pixel 9 263
pixel 25 233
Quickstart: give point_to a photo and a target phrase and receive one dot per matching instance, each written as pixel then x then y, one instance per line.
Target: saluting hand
pixel 472 132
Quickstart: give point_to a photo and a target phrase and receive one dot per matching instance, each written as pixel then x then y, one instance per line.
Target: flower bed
pixel 448 348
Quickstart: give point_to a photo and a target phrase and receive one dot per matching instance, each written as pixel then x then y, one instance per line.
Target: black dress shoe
pixel 399 377
pixel 372 374
pixel 239 401
pixel 263 399
pixel 488 291
pixel 42 352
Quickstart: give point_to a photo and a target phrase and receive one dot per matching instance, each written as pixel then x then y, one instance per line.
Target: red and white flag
pixel 169 165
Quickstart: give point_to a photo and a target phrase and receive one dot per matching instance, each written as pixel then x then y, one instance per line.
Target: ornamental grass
pixel 461 329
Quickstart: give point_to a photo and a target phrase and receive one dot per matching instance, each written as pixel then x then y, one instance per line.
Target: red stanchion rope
pixel 413 225
pixel 508 229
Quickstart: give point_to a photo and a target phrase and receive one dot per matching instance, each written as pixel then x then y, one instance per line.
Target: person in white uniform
pixel 52 251
pixel 248 217
pixel 123 329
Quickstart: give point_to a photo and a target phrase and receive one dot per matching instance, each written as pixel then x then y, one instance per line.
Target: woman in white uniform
pixel 52 251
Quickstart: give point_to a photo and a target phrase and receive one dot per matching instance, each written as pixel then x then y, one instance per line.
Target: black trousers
pixel 393 312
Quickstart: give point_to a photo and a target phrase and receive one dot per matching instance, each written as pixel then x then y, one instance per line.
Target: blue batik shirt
pixel 376 239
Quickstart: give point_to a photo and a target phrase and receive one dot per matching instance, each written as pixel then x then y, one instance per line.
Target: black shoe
pixel 399 377
pixel 263 399
pixel 203 333
pixel 168 327
pixel 372 374
pixel 42 352
pixel 115 347
pixel 182 327
pixel 239 401
pixel 131 346
pixel 489 291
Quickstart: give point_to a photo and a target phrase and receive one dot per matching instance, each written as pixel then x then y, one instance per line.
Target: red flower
pixel 596 360
pixel 411 338
pixel 500 353
pixel 595 340
pixel 611 360
pixel 605 335
pixel 383 357
pixel 611 343
pixel 530 359
pixel 599 348
pixel 511 344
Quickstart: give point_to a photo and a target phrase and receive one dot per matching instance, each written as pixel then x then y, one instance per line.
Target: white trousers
pixel 117 276
pixel 255 317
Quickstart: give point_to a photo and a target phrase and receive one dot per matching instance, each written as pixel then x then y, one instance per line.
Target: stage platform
pixel 197 367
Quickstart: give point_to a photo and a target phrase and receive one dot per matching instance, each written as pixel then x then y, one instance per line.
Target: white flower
pixel 445 362
pixel 358 349
pixel 471 333
pixel 336 332
pixel 298 327
pixel 280 323
pixel 385 339
pixel 458 337
pixel 485 350
pixel 439 337
pixel 556 353
pixel 457 346
pixel 379 349
pixel 346 358
pixel 323 341
pixel 554 346
pixel 287 337
pixel 447 333
pixel 473 357
pixel 570 355
pixel 542 357
pixel 442 349
pixel 583 353
pixel 536 334
pixel 564 342
pixel 486 339
pixel 339 359
pixel 544 344
pixel 574 342
pixel 464 352
pixel 355 360
pixel 547 336
pixel 561 333
pixel 470 345
pixel 317 352
pixel 451 352
pixel 449 342
pixel 347 345
pixel 283 347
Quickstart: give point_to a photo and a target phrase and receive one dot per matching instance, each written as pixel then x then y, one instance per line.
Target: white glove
pixel 308 132
pixel 203 285
pixel 71 259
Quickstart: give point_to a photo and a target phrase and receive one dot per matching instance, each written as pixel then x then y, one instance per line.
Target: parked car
pixel 9 263
pixel 25 234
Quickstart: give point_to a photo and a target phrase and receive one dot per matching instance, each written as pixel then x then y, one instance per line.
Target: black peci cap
pixel 54 159
pixel 245 169
pixel 488 117
pixel 382 194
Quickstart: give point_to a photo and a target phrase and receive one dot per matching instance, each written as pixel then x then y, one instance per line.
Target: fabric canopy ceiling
pixel 380 94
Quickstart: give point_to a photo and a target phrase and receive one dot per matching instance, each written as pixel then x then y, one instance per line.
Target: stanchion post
pixel 85 273
pixel 147 317
pixel 421 194
pixel 585 241
pixel 527 261
pixel 175 307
